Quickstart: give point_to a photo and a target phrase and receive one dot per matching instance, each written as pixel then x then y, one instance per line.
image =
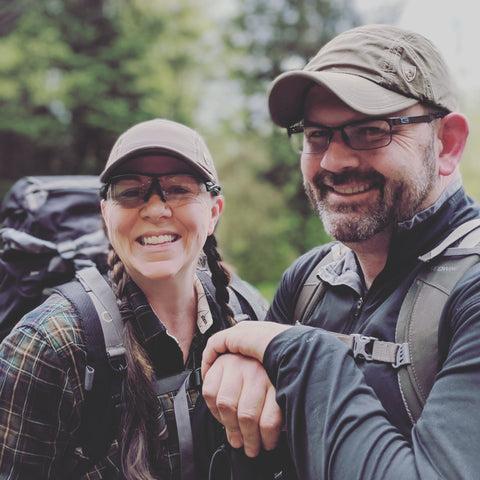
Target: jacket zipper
pixel 356 314
pixel 358 309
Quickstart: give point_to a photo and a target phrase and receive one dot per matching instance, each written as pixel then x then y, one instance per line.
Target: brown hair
pixel 141 453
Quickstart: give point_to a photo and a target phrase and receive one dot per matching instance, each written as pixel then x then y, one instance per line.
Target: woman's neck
pixel 176 306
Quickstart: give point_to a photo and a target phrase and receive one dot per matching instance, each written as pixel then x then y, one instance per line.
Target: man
pixel 382 142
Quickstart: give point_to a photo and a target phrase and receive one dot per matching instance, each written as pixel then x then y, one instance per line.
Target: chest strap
pixel 181 382
pixel 374 350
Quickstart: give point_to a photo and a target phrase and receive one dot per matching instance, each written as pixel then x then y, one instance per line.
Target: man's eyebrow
pixel 308 123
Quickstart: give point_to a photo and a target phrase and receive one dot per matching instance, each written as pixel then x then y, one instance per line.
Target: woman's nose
pixel 155 207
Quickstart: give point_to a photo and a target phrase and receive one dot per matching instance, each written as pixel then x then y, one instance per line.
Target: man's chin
pixel 349 227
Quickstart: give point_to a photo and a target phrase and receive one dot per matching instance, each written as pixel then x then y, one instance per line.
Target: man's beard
pixel 397 200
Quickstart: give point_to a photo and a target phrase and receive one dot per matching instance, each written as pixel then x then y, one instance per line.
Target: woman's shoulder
pixel 54 324
pixel 45 350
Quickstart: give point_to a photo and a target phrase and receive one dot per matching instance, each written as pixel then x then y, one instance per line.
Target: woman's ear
pixel 452 133
pixel 104 210
pixel 216 210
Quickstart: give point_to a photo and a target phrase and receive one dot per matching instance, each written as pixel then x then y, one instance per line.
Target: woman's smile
pixel 157 239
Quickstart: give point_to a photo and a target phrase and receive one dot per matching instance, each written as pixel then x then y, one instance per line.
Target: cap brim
pixel 288 92
pixel 153 150
pixel 161 136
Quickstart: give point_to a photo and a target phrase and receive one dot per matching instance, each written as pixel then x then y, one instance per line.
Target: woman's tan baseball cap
pixel 161 136
pixel 374 69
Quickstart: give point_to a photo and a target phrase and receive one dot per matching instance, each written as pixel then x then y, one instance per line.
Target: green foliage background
pixel 74 74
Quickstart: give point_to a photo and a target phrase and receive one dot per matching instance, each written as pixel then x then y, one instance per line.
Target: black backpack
pixel 51 227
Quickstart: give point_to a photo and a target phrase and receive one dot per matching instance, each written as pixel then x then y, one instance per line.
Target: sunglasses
pixel 133 190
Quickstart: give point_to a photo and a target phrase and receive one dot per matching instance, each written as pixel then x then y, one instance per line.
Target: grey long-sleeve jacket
pixel 345 418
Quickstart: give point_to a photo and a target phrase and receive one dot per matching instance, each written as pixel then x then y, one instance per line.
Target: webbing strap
pixel 180 383
pixel 457 234
pixel 184 430
pixel 256 303
pixel 236 307
pixel 374 350
pixel 106 305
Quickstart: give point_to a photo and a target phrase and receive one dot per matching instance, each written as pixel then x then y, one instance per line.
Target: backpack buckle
pixel 362 346
pixel 402 356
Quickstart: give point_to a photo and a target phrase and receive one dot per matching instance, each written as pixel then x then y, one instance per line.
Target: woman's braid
pixel 220 278
pixel 139 427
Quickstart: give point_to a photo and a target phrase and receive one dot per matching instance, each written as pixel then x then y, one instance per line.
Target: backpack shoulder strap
pixel 415 350
pixel 313 288
pixel 422 308
pixel 105 363
pixel 243 290
pixel 106 306
pixel 241 293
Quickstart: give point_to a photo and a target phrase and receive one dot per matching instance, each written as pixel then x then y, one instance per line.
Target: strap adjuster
pixel 402 356
pixel 362 346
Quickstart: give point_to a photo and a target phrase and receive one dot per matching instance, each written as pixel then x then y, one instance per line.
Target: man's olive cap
pixel 374 69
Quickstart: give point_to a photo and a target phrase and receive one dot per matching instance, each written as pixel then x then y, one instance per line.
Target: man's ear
pixel 452 133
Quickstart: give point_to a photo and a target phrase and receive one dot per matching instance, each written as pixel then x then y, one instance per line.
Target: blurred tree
pixel 74 73
pixel 264 39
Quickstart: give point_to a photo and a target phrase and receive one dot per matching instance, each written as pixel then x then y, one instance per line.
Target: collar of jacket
pixel 411 238
pixel 426 229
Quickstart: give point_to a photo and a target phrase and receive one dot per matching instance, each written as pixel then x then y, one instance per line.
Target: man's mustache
pixel 323 180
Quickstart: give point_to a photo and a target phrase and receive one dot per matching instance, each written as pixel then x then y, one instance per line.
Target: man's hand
pixel 237 389
pixel 250 339
pixel 241 397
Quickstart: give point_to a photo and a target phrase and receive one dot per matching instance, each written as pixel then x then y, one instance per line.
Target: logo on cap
pixel 409 71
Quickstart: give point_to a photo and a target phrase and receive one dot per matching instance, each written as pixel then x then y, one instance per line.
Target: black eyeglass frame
pixel 392 121
pixel 211 187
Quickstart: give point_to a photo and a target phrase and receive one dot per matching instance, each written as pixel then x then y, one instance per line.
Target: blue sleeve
pixel 337 427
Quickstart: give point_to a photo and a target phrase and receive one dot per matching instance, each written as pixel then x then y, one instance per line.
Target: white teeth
pixel 350 190
pixel 157 239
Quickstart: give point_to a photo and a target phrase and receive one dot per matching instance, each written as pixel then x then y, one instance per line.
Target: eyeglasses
pixel 367 134
pixel 133 190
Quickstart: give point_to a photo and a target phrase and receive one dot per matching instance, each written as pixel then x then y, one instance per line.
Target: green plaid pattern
pixel 42 364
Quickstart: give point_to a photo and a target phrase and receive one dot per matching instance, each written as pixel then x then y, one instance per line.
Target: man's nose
pixel 339 156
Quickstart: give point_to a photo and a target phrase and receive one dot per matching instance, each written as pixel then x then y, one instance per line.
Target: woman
pixel 161 203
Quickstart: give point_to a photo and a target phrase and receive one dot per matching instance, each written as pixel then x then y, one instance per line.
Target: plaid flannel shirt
pixel 42 365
